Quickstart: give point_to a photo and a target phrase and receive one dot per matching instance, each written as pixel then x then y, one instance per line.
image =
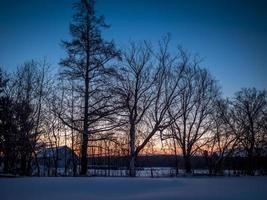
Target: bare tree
pixel 223 139
pixel 146 90
pixel 87 55
pixel 26 91
pixel 195 105
pixel 7 125
pixel 249 111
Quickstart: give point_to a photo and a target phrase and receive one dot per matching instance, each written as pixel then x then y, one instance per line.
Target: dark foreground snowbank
pixel 97 188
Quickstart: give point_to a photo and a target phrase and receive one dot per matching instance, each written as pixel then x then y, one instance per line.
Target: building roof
pixel 51 152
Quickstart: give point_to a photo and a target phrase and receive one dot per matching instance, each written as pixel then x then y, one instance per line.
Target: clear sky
pixel 231 35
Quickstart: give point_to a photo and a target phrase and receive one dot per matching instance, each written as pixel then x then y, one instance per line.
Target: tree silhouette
pixel 87 54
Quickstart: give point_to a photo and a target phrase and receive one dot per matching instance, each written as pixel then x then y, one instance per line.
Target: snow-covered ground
pixel 94 188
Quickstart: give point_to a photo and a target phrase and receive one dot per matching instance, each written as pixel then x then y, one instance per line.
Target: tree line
pixel 125 102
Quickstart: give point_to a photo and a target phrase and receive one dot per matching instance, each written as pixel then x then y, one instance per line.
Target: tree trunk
pixel 132 171
pixel 74 165
pixel 84 154
pixel 219 167
pixel 29 167
pixel 176 158
pixel 85 122
pixel 23 164
pixel 36 161
pixel 187 164
pixel 7 163
pixel 250 165
pixel 86 103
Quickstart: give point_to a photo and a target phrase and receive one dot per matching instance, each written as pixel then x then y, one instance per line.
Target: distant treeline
pixel 235 164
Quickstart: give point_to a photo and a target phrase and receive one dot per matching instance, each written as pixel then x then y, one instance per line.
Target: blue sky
pixel 231 36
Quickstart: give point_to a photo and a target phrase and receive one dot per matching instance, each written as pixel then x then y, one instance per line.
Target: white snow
pixel 102 188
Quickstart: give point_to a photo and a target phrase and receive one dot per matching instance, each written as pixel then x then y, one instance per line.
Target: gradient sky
pixel 231 36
